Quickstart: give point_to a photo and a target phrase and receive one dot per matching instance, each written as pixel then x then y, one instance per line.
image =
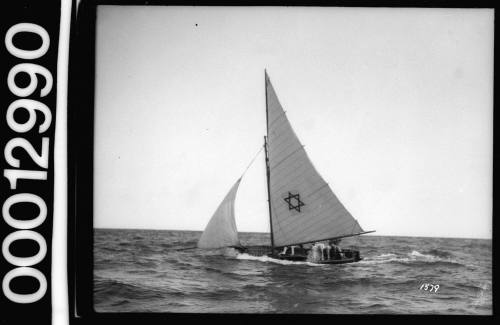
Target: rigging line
pixel 251 162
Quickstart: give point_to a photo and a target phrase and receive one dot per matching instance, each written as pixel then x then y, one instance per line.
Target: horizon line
pixel 264 232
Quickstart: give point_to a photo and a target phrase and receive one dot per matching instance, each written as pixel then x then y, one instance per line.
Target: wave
pixel 415 258
pixel 438 253
pixel 267 259
pixel 121 302
pixel 177 244
pixel 124 290
pixel 442 258
pixel 109 248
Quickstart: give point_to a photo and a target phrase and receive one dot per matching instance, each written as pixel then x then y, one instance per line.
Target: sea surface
pixel 148 271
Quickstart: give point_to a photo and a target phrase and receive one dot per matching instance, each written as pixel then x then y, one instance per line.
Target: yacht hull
pixel 301 255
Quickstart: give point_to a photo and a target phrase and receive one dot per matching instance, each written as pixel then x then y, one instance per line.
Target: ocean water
pixel 144 271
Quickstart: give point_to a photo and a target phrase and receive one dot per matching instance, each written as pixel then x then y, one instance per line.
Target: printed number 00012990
pixel 24 229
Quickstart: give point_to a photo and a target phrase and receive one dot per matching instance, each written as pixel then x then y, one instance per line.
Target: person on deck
pixel 321 248
pixel 328 248
pixel 336 249
pixel 316 253
pixel 293 249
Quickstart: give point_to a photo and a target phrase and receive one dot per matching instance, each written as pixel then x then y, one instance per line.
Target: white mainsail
pixel 303 207
pixel 221 230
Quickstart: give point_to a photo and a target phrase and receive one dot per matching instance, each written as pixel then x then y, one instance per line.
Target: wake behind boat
pixel 303 210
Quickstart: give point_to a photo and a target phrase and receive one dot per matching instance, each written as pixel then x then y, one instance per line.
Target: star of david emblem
pixel 294 201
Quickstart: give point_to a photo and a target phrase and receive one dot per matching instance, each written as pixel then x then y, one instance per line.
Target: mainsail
pixel 221 230
pixel 303 206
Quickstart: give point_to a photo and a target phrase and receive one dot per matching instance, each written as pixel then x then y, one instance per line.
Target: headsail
pixel 304 208
pixel 221 230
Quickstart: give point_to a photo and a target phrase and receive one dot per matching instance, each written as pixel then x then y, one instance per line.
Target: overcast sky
pixel 394 106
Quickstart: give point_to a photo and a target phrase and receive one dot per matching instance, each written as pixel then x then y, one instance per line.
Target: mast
pixel 268 174
pixel 268 171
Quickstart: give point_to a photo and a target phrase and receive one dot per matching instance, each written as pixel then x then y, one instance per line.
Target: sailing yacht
pixel 302 207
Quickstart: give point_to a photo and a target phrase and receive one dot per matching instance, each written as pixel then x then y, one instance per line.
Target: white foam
pixel 384 256
pixel 419 256
pixel 245 256
pixel 384 259
pixel 410 257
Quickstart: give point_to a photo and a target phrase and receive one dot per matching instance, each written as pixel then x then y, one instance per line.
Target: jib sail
pixel 221 230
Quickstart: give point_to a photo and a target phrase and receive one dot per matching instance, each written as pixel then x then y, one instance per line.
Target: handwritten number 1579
pixel 429 287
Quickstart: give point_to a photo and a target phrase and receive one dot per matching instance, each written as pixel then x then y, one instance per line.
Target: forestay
pixel 304 208
pixel 221 230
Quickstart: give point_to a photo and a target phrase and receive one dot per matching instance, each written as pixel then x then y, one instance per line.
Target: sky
pixel 394 107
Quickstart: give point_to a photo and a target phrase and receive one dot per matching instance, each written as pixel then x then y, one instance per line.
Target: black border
pixel 80 169
pixel 80 162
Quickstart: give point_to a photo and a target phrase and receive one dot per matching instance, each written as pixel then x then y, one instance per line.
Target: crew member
pixel 337 250
pixel 328 248
pixel 321 248
pixel 316 252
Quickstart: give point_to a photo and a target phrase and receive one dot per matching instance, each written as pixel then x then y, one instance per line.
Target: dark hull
pixel 349 255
